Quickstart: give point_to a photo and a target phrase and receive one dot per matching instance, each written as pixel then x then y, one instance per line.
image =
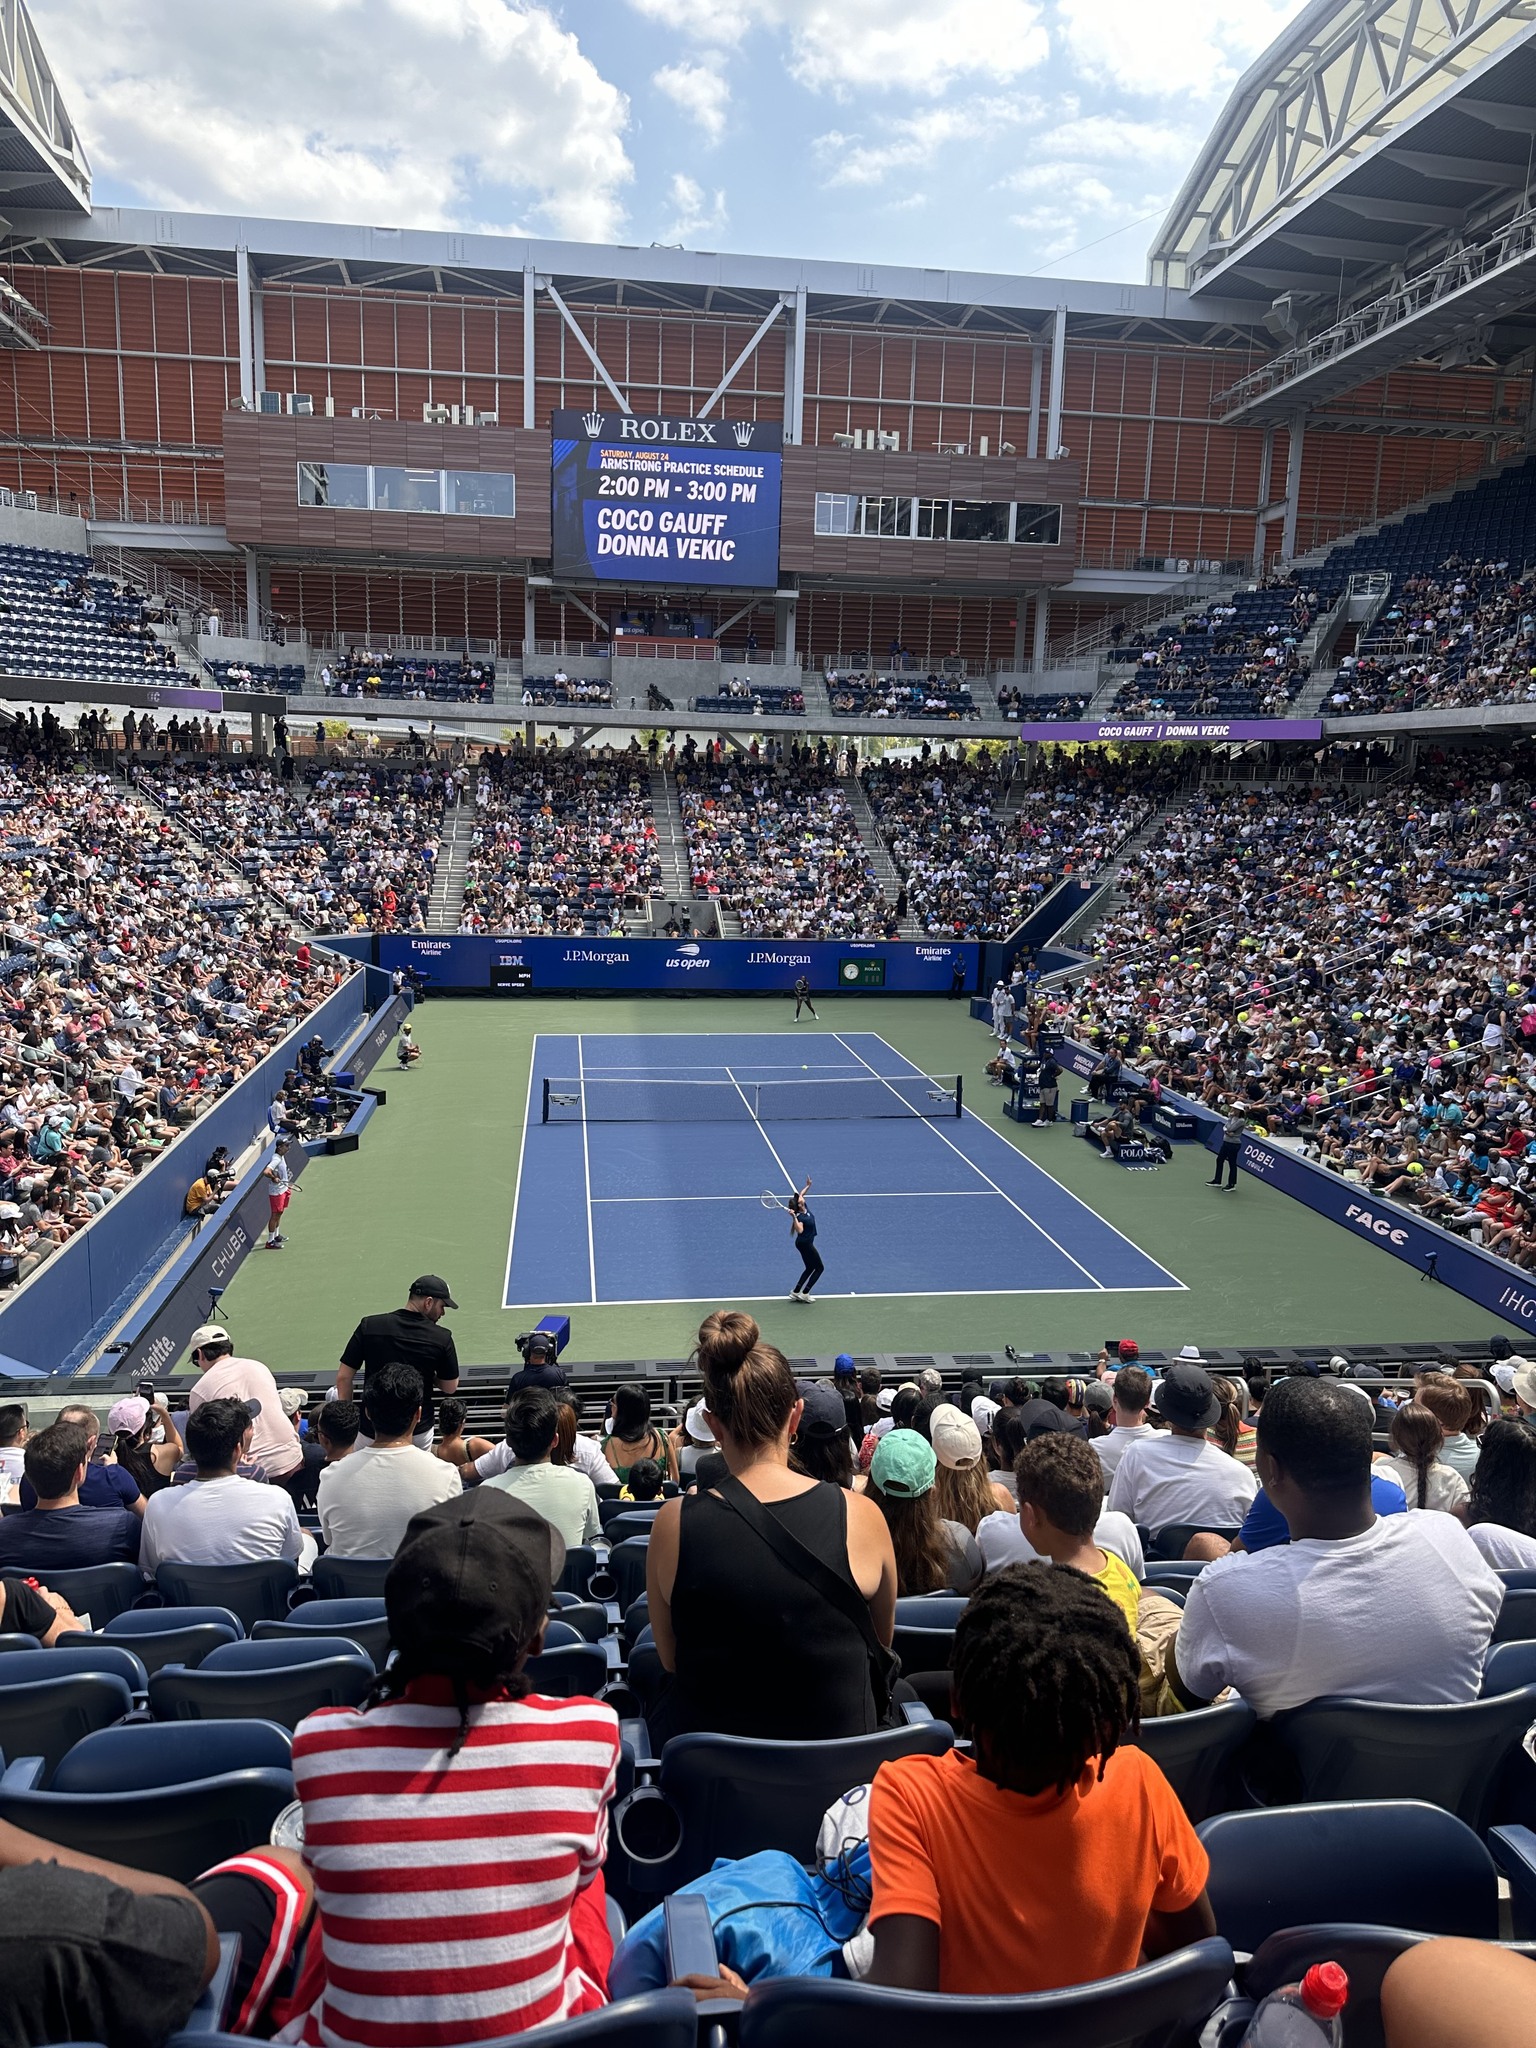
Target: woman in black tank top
pixel 754 1646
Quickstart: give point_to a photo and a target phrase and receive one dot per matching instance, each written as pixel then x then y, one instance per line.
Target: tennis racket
pixel 770 1200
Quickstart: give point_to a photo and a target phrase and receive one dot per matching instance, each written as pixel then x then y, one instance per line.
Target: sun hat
pixel 955 1437
pixel 293 1400
pixel 1186 1396
pixel 904 1464
pixel 1522 1381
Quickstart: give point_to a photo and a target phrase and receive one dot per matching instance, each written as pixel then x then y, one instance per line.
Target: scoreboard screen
pixel 686 503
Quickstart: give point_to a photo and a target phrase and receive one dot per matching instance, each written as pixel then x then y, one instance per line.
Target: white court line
pixel 874 1195
pixel 1135 1247
pixel 914 1294
pixel 586 1167
pixel 1097 1283
pixel 778 1162
pixel 517 1185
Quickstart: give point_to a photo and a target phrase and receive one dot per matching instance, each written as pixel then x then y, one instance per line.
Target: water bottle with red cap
pixel 1304 2015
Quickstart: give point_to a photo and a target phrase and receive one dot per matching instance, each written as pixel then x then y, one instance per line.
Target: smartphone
pixel 690 1937
pixel 1112 1350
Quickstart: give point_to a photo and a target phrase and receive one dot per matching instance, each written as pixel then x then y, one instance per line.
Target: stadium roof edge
pixel 320 252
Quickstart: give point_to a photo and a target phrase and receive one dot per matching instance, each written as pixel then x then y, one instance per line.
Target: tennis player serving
pixel 803 1224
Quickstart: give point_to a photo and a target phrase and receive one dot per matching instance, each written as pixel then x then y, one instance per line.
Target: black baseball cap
pixel 433 1286
pixel 1039 1418
pixel 472 1578
pixel 824 1414
pixel 1185 1395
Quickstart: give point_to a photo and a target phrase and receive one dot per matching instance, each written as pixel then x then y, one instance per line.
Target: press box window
pixel 836 514
pixel 1037 526
pixel 342 485
pixel 891 517
pixel 933 519
pixel 976 519
pixel 407 490
pixel 482 493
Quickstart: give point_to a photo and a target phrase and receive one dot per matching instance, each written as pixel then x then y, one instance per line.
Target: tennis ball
pixel 805 1066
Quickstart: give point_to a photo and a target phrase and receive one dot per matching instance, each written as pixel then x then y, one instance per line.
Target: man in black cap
pixel 1177 1475
pixel 413 1334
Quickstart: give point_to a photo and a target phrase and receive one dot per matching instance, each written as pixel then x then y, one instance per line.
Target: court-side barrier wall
pixel 623 966
pixel 43 1322
pixel 1491 1282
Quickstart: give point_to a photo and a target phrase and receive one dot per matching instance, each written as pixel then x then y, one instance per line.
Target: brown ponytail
pixel 748 1386
pixel 1417 1434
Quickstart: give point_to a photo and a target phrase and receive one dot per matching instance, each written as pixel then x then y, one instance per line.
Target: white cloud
pixel 873 45
pixel 422 113
pixel 696 212
pixel 915 140
pixel 701 92
pixel 1194 48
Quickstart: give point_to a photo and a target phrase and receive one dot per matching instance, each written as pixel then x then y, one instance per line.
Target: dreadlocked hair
pixel 1046 1675
pixel 465 1667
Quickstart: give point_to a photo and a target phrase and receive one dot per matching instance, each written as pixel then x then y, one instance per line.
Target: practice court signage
pixel 637 499
pixel 1154 731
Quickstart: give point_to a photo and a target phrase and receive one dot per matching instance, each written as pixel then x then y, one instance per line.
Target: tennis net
pixel 596 1099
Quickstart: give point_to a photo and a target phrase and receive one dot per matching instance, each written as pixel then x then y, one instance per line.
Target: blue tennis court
pixel 645 1186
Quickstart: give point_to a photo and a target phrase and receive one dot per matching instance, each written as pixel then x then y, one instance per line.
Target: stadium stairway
pixel 671 839
pixel 1078 931
pixel 880 858
pixel 447 900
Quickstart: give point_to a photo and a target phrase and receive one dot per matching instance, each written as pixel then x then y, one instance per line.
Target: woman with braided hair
pixel 1056 1852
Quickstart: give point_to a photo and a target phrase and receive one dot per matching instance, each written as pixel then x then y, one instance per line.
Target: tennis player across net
pixel 597 1099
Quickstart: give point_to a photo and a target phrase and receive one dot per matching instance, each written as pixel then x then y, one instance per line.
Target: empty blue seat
pixel 361 1620
pixel 569 1671
pixel 138 1755
pixel 95 1653
pixel 589 1618
pixel 348 1578
pixel 255 1592
pixel 173 1635
pixel 580 1564
pixel 1361 1749
pixel 1164 2003
pixel 100 1591
pixel 1195 1752
pixel 626 1563
pixel 45 1716
pixel 730 1795
pixel 1517 1617
pixel 1410 1863
pixel 17 1641
pixel 176 1833
pixel 274 1681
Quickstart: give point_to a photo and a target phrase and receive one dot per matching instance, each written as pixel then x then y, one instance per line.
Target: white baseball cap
pixel 696 1425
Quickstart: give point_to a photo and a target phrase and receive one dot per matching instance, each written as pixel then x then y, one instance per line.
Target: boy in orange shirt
pixel 1051 1855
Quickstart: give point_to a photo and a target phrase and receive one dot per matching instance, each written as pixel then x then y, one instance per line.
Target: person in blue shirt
pixel 106 1484
pixel 59 1534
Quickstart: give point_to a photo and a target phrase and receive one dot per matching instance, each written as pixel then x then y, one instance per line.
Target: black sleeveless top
pixel 759 1651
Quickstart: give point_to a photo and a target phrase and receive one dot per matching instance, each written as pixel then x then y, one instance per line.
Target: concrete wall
pixel 21 528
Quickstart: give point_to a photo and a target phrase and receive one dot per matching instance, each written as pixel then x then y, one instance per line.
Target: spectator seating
pixel 103 1591
pixel 898 696
pixel 288 677
pixel 561 844
pixel 173 1635
pixel 1159 2005
pixel 769 700
pixel 780 845
pixel 60 619
pixel 44 1716
pixel 444 678
pixel 1236 659
pixel 659 2019
pixel 347 1578
pixel 360 1620
pixel 595 692
pixel 280 1681
pixel 255 1592
pixel 1197 1753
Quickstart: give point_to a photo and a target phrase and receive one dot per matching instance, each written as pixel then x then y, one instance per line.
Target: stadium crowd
pixel 559 841
pixel 135 989
pixel 346 844
pixel 1311 1514
pixel 1464 636
pixel 779 844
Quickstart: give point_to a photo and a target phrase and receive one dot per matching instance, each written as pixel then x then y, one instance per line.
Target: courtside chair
pixel 258 1591
pixel 278 1681
pixel 1163 2005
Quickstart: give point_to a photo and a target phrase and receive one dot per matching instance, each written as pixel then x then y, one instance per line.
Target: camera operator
pixel 541 1367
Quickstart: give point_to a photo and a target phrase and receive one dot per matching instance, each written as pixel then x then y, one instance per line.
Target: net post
pixel 959 1095
pixel 546 1099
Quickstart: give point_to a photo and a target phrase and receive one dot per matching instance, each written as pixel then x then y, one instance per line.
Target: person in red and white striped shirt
pixel 455 1825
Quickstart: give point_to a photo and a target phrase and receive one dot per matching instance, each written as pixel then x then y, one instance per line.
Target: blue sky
pixel 1009 135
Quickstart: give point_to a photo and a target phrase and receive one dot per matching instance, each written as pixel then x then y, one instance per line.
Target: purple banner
pixel 186 700
pixel 1174 729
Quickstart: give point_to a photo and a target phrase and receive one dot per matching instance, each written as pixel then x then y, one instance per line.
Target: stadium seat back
pixel 155 1648
pixel 254 1592
pixel 142 1754
pixel 634 1521
pixel 735 1794
pixel 348 1578
pixel 589 1618
pixel 1195 1752
pixel 1361 1749
pixel 923 1649
pixel 626 1561
pixel 660 2019
pixel 930 1610
pixel 1169 1544
pixel 1508 1666
pixel 580 1564
pixel 177 1835
pixel 362 1622
pixel 102 1591
pixel 327 1672
pixel 572 1671
pixel 1289 1866
pixel 1517 1617
pixel 92 1653
pixel 16 1641
pixel 1158 2006
pixel 48 1715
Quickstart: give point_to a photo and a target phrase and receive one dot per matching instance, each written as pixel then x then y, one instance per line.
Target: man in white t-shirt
pixel 565 1498
pixel 1127 1418
pixel 367 1498
pixel 1397 1608
pixel 219 1518
pixel 13 1438
pixel 1178 1475
pixel 222 1376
